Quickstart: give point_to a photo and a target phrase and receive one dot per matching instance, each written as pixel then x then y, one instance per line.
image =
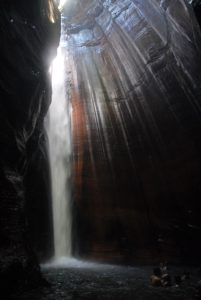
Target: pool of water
pixel 72 279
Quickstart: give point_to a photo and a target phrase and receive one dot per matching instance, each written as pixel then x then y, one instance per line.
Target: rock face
pixel 28 43
pixel 134 84
pixel 197 10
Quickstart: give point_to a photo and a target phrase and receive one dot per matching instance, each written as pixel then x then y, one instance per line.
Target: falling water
pixel 59 134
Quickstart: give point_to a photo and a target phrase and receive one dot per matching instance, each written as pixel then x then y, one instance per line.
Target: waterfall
pixel 59 135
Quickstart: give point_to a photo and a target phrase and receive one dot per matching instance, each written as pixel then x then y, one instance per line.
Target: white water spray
pixel 60 149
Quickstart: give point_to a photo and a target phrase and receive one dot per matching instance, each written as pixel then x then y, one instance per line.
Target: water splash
pixel 70 262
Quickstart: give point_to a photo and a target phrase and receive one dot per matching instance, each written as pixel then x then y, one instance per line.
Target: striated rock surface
pixel 28 44
pixel 134 83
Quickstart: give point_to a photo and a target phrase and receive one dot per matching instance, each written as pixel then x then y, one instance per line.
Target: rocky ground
pixel 87 281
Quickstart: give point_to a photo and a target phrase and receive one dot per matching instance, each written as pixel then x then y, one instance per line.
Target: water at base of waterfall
pixel 71 279
pixel 70 262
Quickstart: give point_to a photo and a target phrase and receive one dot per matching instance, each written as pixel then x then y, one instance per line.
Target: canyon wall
pixel 29 40
pixel 133 79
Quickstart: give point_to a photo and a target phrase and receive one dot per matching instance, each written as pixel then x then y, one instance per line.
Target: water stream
pixel 59 134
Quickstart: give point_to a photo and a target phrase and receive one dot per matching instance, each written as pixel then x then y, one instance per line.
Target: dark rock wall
pixel 197 10
pixel 28 44
pixel 38 195
pixel 134 82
